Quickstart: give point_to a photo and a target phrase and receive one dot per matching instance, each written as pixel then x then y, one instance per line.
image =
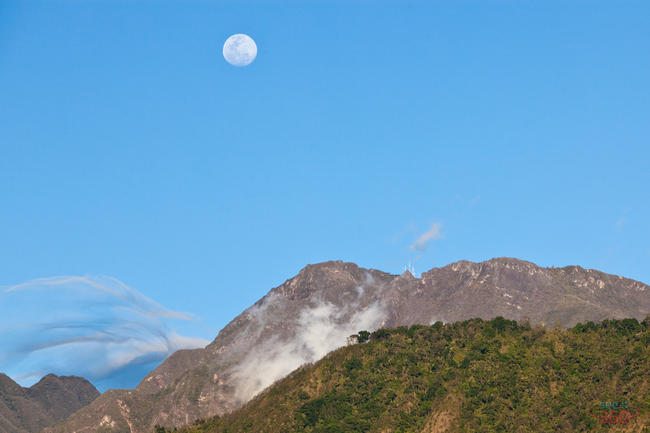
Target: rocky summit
pixel 313 313
pixel 52 399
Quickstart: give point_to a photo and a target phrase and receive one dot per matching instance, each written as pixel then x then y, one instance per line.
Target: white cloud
pixel 421 242
pixel 320 329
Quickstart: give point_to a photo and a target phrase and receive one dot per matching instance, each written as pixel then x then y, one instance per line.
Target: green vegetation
pixel 472 376
pixel 363 336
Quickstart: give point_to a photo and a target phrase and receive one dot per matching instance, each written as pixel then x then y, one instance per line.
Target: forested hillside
pixel 471 376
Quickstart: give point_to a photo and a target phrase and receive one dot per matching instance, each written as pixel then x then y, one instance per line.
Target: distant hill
pixel 311 314
pixel 29 410
pixel 471 376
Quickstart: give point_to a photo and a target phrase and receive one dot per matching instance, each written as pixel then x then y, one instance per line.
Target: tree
pixel 363 336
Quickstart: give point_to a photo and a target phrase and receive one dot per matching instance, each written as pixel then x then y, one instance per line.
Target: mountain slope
pixel 470 376
pixel 52 399
pixel 311 314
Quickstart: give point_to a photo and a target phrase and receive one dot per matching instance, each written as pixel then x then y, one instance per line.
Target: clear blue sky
pixel 129 148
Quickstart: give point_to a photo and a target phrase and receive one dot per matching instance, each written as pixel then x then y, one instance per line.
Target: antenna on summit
pixel 409 267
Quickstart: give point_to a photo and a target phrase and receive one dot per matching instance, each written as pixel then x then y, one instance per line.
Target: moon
pixel 239 50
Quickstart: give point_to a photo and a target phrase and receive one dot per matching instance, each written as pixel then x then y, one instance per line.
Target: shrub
pixel 363 336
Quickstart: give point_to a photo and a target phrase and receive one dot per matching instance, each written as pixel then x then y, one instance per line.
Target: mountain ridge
pixel 52 399
pixel 310 314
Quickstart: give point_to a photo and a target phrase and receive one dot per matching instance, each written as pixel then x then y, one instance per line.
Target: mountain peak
pixel 320 277
pixel 313 312
pixel 8 385
pixel 47 379
pixel 328 266
pixel 50 400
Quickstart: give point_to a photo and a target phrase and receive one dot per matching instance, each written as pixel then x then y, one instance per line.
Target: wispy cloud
pixel 95 327
pixel 420 244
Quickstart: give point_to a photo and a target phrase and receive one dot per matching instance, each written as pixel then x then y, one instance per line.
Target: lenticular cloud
pixel 95 327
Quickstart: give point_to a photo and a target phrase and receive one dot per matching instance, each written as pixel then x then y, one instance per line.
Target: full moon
pixel 239 50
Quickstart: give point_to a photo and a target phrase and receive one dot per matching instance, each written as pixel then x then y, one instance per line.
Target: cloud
pixel 95 327
pixel 421 242
pixel 320 328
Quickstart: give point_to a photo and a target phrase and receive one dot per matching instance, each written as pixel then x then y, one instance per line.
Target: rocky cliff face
pixel 52 399
pixel 313 313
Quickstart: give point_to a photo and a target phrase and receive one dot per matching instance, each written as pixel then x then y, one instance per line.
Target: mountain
pixel 53 399
pixel 473 376
pixel 313 313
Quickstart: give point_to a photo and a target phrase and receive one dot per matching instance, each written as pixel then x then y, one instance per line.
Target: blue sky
pixel 129 148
